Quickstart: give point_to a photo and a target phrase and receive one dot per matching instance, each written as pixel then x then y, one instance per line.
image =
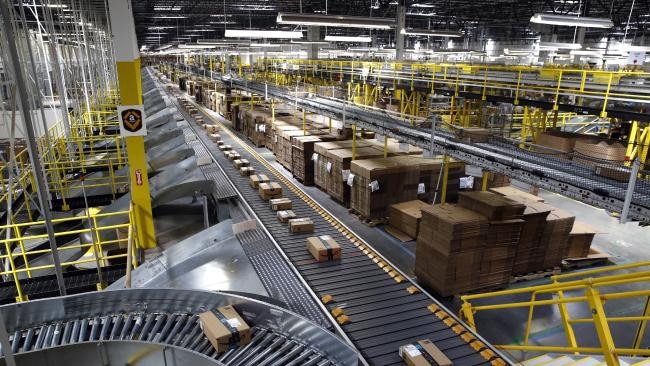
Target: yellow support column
pixel 601 325
pixel 130 85
pixel 484 180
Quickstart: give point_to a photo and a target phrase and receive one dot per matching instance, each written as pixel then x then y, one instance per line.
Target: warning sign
pixel 132 120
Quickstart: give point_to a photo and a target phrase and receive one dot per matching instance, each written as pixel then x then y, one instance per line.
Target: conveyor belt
pixel 171 322
pixel 372 292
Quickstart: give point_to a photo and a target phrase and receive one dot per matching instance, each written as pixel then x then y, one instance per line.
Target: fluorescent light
pixel 550 46
pixel 359 39
pixel 431 32
pixel 585 53
pixel 309 42
pixel 342 21
pixel 252 33
pixel 571 21
pixel 58 6
pixel 517 52
pixel 169 17
pixel 221 42
pixel 164 47
pixel 166 8
pixel 192 46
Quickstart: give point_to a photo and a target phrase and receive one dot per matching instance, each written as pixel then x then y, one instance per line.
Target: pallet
pixel 595 258
pixel 536 275
pixel 367 221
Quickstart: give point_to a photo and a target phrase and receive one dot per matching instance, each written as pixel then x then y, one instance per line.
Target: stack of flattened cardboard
pixel 406 217
pixel 322 164
pixel 530 253
pixel 591 152
pixel 285 151
pixel 556 237
pixel 449 249
pixel 302 163
pixel 556 141
pixel 380 182
pixel 580 240
pixel 277 132
pixel 511 192
pixel 503 234
pixel 339 168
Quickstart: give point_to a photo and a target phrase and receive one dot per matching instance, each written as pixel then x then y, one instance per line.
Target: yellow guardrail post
pixel 603 114
pixel 601 325
pixel 640 331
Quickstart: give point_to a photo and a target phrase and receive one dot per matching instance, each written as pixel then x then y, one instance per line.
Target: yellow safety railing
pixel 104 237
pixel 638 145
pixel 585 290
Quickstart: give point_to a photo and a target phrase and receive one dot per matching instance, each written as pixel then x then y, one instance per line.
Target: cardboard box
pixel 225 328
pixel 416 354
pixel 256 179
pixel 234 155
pixel 225 147
pixel 212 128
pixel 285 215
pixel 270 190
pixel 406 216
pixel 246 171
pixel 239 163
pixel 215 137
pixel 323 248
pixel 278 204
pixel 302 225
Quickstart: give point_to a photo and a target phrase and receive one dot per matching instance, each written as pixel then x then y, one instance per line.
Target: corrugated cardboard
pixel 239 163
pixel 406 216
pixel 580 240
pixel 225 147
pixel 423 353
pixel 302 225
pixel 285 215
pixel 256 179
pixel 323 248
pixel 270 190
pixel 224 328
pixel 280 204
pixel 234 155
pixel 246 171
pixel 492 205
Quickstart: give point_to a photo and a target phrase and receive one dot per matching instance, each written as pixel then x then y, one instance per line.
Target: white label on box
pixel 234 322
pixel 421 188
pixel 325 237
pixel 257 128
pixel 276 138
pixel 374 186
pixel 314 157
pixel 350 179
pixel 473 170
pixel 411 350
pixel 466 182
pixel 345 173
pixel 329 167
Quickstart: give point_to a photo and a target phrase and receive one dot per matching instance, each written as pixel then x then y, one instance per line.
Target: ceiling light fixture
pixel 430 32
pixel 309 42
pixel 169 17
pixel 342 21
pixel 571 21
pixel 546 46
pixel 359 39
pixel 265 34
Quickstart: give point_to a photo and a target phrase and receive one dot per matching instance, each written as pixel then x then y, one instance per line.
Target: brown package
pixel 270 190
pixel 234 155
pixel 246 171
pixel 239 163
pixel 280 204
pixel 225 328
pixel 285 215
pixel 256 179
pixel 303 225
pixel 225 147
pixel 323 248
pixel 418 354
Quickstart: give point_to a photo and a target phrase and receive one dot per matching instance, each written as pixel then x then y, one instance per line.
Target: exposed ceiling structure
pixel 160 22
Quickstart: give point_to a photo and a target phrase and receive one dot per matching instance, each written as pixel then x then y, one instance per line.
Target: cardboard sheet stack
pixel 591 152
pixel 503 234
pixel 302 153
pixel 321 149
pixel 530 251
pixel 556 237
pixel 449 249
pixel 406 217
pixel 557 141
pixel 580 240
pixel 338 172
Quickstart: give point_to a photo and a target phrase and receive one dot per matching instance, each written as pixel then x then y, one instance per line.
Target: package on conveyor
pixel 211 128
pixel 225 147
pixel 324 248
pixel 406 216
pixel 240 163
pixel 591 152
pixel 224 328
pixel 557 142
pixel 322 162
pixel 215 137
pixel 270 190
pixel 301 225
pixel 423 353
pixel 246 171
pixel 280 204
pixel 449 249
pixel 285 215
pixel 256 179
pixel 233 155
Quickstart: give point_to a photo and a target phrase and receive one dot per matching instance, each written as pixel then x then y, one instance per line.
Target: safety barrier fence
pixel 598 293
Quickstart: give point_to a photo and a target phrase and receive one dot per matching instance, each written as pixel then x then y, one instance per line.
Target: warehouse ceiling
pixel 182 21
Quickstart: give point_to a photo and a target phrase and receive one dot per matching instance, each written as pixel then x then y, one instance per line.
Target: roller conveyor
pixel 373 293
pixel 169 318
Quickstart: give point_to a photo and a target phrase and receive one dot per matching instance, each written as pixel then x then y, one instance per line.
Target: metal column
pixel 399 37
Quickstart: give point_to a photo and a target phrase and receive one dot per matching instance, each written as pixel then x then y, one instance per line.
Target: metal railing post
pixel 602 327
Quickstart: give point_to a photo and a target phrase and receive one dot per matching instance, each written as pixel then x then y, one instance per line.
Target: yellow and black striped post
pixel 127 59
